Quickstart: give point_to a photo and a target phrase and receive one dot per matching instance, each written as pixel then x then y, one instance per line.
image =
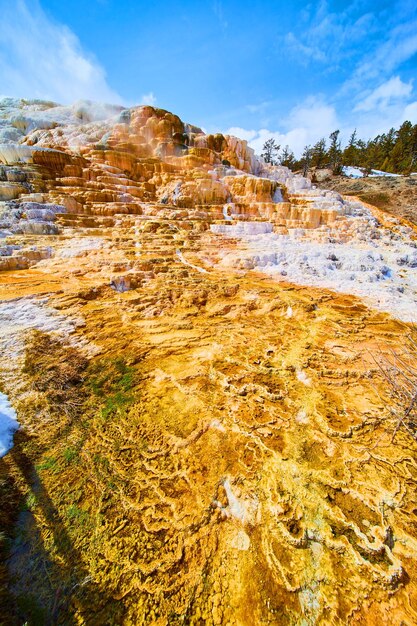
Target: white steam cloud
pixel 43 59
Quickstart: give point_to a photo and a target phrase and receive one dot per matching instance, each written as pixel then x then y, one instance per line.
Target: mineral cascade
pixel 198 348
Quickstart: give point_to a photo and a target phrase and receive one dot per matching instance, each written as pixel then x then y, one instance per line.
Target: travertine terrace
pixel 206 433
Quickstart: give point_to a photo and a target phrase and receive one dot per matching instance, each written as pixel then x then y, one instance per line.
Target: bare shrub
pixel 399 369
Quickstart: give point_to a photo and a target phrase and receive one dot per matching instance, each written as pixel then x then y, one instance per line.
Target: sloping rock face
pixel 202 441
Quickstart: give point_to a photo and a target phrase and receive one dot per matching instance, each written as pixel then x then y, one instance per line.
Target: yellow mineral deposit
pixel 202 441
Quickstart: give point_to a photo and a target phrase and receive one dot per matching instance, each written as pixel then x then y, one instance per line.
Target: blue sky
pixel 291 70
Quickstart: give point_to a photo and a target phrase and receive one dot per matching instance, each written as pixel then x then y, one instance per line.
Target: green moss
pixel 70 455
pixel 116 404
pixel 76 515
pixel 31 501
pixel 112 381
pixel 50 463
pixel 111 375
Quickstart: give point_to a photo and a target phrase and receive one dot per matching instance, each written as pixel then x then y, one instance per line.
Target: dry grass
pixel 378 199
pixel 57 371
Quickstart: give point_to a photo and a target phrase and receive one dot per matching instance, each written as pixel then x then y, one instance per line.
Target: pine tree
pixel 318 155
pixel 399 159
pixel 360 154
pixel 394 151
pixel 388 142
pixel 351 152
pixel 370 160
pixel 405 138
pixel 413 152
pixel 352 140
pixel 270 151
pixel 306 159
pixel 287 157
pixel 335 152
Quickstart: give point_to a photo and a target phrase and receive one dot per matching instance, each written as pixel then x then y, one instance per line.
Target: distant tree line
pixel 394 151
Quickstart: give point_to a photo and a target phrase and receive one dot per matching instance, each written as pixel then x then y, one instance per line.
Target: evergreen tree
pixel 360 154
pixel 318 155
pixel 388 142
pixel 399 160
pixel 394 151
pixel 335 152
pixel 406 140
pixel 270 151
pixel 350 154
pixel 306 159
pixel 352 140
pixel 370 157
pixel 413 149
pixel 287 157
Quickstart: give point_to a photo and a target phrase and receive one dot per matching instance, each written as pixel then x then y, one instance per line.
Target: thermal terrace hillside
pixel 194 343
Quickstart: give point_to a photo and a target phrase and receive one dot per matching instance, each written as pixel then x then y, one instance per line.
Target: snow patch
pixel 359 172
pixel 8 424
pixel 352 172
pixel 381 173
pixel 19 316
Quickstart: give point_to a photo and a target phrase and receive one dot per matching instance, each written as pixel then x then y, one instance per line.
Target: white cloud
pixel 43 59
pixel 397 45
pixel 392 90
pixel 242 133
pixel 326 36
pixel 149 98
pixel 366 43
pixel 400 44
pixel 410 113
pixel 305 125
pixel 302 50
pixel 381 119
pixel 315 116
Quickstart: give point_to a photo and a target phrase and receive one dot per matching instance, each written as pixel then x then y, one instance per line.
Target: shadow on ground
pixel 42 578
